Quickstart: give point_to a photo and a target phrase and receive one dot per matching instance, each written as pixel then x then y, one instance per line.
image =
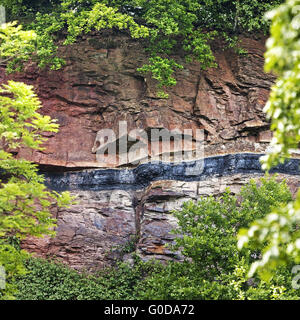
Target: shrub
pixel 48 280
pixel 214 267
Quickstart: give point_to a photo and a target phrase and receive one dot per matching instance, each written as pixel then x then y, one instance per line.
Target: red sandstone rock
pixel 100 86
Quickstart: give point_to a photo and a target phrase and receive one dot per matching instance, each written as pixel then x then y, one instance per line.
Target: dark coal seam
pixel 141 176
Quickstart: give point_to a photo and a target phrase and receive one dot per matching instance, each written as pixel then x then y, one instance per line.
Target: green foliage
pixel 163 25
pixel 12 259
pixel 281 227
pixel 209 227
pixel 53 281
pixel 101 17
pixel 185 281
pixel 214 267
pixel 282 57
pixel 16 45
pixel 24 199
pixel 48 27
pixel 279 230
pixel 21 124
pixel 250 13
pixel 27 8
pixel 162 70
pixel 235 16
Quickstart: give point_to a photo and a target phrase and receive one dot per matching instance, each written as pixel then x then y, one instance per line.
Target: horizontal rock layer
pixel 143 175
pixel 124 211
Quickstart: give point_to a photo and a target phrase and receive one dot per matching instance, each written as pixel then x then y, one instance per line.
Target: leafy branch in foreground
pixel 25 202
pixel 280 229
pixel 16 46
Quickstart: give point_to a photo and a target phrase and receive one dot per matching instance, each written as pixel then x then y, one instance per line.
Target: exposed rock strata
pixel 130 208
pixel 118 213
pixel 143 175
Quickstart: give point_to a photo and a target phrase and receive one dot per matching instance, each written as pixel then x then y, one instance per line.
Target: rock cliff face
pixel 100 86
pixel 124 211
pixel 122 208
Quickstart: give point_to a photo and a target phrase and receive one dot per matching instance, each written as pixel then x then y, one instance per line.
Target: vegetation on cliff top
pixel 186 26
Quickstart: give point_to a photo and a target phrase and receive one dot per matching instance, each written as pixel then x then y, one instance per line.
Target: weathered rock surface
pixel 125 211
pixel 141 176
pixel 100 86
pixel 108 225
pixel 129 209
